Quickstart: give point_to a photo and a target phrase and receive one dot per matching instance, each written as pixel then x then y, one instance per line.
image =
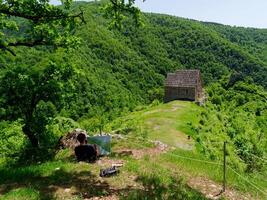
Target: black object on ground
pixel 109 172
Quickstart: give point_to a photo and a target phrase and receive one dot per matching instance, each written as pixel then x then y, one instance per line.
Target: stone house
pixel 183 85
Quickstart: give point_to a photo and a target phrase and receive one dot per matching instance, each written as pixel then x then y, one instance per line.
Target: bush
pixel 240 100
pixel 216 100
pixel 12 140
pixel 58 127
pixel 42 116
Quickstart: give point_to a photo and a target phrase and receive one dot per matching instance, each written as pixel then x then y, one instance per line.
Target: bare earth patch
pixel 107 162
pixel 140 153
pixel 185 146
pixel 111 197
pixel 213 190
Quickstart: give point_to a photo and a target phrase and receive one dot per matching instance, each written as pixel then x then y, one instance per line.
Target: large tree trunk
pixel 33 139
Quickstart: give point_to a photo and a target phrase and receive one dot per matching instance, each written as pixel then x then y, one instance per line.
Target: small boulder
pixel 70 139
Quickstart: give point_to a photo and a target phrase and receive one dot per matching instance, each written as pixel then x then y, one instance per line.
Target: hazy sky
pixel 249 13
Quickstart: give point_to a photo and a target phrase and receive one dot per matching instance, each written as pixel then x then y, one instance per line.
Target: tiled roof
pixel 183 78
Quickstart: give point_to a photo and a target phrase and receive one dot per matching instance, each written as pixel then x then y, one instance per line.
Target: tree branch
pixel 8 49
pixel 25 43
pixel 41 18
pixel 39 13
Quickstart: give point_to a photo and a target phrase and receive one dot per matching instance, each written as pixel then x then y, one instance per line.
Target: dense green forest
pixel 112 72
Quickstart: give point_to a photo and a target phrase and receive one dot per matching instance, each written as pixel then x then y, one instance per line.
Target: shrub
pixel 216 100
pixel 60 126
pixel 240 100
pixel 12 140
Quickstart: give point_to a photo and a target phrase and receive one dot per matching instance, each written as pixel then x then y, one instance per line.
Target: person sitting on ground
pixel 85 152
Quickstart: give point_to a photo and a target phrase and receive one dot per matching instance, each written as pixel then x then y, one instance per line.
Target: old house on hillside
pixel 183 85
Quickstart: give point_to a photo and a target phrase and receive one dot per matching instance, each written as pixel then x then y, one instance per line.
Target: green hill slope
pixel 169 123
pixel 251 39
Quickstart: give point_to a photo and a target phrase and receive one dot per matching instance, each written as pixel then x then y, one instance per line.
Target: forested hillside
pixel 251 39
pixel 46 92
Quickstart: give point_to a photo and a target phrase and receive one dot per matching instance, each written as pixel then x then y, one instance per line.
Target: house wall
pixel 180 93
pixel 199 89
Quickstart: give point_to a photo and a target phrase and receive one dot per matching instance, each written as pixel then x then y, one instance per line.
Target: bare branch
pixel 32 43
pixel 41 18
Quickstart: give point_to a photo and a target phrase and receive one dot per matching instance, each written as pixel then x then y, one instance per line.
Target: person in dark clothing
pixel 85 152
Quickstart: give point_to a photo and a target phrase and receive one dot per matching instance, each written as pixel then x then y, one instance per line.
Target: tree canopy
pixel 37 22
pixel 29 92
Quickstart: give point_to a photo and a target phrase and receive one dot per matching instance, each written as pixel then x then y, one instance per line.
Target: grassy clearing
pixel 169 123
pixel 153 177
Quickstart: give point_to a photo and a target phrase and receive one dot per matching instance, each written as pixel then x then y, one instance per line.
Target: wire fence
pixel 245 181
pixel 194 159
pixel 257 187
pixel 264 159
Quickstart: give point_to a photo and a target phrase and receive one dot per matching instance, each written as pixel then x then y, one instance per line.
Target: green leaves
pixel 33 22
pixel 237 113
pixel 120 10
pixel 66 3
pixel 12 139
pixel 36 22
pixel 43 114
pixel 34 96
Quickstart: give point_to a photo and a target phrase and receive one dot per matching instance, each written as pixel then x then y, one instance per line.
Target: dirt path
pixel 212 190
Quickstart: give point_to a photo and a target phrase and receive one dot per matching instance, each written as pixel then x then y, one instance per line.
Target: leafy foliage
pixel 33 22
pixel 118 10
pixel 12 139
pixel 33 96
pixel 236 115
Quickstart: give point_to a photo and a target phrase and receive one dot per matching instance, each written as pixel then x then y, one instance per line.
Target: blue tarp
pixel 104 143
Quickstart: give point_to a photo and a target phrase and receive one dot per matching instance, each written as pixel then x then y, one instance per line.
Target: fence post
pixel 224 166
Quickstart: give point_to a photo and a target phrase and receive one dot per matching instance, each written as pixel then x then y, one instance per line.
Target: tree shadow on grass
pixel 62 184
pixel 83 184
pixel 154 188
